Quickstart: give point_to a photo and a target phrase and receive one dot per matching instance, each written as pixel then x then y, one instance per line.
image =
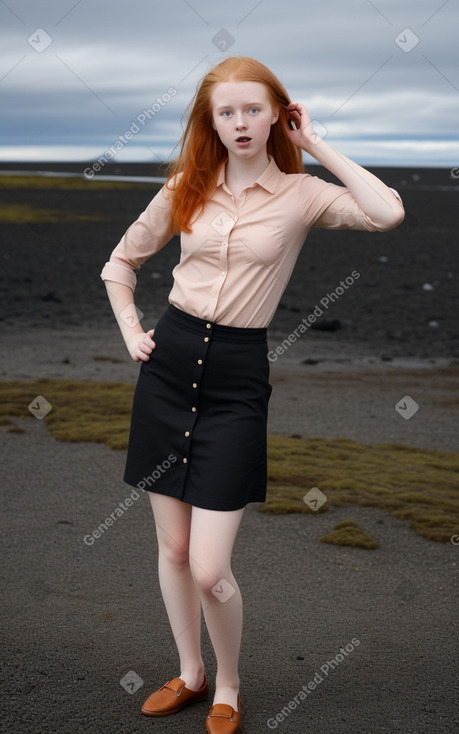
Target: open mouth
pixel 243 139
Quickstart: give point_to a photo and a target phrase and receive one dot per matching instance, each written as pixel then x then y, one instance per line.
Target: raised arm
pixel 376 199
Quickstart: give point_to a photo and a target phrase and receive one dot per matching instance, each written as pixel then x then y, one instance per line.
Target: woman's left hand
pixel 304 136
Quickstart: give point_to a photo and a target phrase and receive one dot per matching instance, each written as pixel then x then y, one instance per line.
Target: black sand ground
pixel 404 303
pixel 79 617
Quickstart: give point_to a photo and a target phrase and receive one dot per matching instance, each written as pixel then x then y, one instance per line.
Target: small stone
pixel 51 296
pixel 327 325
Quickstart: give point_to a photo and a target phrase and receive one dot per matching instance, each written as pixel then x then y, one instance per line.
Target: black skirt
pixel 199 416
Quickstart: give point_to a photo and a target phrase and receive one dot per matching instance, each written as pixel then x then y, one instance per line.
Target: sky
pixel 83 79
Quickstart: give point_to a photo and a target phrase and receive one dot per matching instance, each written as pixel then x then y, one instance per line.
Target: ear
pixel 275 116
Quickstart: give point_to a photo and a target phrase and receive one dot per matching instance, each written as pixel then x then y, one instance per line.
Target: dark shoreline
pixel 403 176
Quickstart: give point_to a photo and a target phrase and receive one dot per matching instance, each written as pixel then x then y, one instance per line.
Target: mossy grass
pixel 11 181
pixel 416 485
pixel 350 533
pixel 26 214
pixel 81 411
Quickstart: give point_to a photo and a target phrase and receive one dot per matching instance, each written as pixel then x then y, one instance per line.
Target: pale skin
pixel 234 105
pixel 195 545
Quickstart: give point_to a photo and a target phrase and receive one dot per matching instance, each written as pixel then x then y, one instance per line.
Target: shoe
pixel 172 697
pixel 223 719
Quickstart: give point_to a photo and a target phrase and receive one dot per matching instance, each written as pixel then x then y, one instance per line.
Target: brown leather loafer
pixel 172 697
pixel 223 719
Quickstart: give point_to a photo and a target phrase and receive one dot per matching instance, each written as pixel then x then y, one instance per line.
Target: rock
pixel 51 296
pixel 327 325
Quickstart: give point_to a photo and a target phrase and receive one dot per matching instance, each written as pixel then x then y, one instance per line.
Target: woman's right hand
pixel 140 345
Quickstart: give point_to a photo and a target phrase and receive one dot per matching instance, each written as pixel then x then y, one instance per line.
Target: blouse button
pixel 206 338
pixel 199 361
pixel 195 384
pixel 187 433
pixel 185 461
pixel 208 326
pixel 193 409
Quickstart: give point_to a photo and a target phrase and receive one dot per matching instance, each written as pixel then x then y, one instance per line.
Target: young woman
pixel 240 199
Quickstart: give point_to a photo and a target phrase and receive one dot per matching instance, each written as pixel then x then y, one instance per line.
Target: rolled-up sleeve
pixel 146 236
pixel 330 206
pixel 345 213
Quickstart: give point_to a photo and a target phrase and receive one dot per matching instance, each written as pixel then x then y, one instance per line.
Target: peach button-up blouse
pixel 237 261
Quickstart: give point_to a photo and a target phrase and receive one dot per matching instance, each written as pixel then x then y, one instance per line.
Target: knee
pixel 210 580
pixel 173 553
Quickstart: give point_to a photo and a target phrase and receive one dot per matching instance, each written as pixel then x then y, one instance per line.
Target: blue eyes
pixel 253 110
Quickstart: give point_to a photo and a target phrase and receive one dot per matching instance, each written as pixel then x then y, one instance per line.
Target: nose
pixel 240 123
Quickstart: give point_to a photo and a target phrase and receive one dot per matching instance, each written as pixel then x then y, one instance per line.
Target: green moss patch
pixel 26 214
pixel 63 183
pixel 80 411
pixel 416 485
pixel 350 533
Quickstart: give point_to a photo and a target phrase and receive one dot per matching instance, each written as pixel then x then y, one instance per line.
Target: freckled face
pixel 242 115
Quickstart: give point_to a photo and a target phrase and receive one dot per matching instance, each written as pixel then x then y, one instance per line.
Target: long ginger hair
pixel 202 151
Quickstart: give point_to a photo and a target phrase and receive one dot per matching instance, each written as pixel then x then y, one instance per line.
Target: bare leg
pixel 211 543
pixel 180 595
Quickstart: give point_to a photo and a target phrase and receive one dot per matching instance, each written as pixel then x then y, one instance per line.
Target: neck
pixel 248 170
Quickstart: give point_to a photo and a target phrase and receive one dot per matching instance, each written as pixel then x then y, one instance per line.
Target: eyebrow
pixel 249 104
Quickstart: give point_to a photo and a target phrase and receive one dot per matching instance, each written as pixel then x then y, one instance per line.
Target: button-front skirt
pixel 199 416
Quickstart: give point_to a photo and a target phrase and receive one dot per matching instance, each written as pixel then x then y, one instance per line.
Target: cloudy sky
pixel 380 77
